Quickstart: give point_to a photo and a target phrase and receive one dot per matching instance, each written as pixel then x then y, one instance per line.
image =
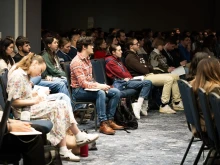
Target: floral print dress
pixel 58 111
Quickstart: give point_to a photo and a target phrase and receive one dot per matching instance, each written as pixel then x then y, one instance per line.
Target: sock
pixel 78 135
pixel 163 105
pixel 176 102
pixel 63 149
pixel 140 101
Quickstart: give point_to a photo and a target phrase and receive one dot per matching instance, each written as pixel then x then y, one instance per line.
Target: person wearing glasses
pixel 137 66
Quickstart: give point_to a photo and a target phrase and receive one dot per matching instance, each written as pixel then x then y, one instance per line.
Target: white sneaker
pixel 166 109
pixel 136 109
pixel 178 106
pixel 86 139
pixel 144 108
pixel 69 156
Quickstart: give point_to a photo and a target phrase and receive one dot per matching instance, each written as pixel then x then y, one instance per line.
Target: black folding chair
pixel 192 115
pixel 214 100
pixel 66 66
pixel 9 158
pixel 209 123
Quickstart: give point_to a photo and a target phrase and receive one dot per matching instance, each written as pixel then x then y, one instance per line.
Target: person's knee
pixel 116 92
pixel 168 79
pixel 147 83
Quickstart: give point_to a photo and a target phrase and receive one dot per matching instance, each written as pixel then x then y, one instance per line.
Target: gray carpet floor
pixel 161 139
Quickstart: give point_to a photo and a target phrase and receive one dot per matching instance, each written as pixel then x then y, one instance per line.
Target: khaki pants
pixel 169 83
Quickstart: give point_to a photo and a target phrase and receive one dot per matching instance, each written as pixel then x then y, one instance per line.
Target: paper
pixel 41 90
pixel 88 89
pixel 139 77
pixel 34 132
pixel 179 71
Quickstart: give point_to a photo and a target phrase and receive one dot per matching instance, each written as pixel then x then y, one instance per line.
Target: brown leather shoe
pixel 104 128
pixel 114 126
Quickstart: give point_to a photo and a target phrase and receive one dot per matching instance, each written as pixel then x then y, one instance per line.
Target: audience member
pixel 116 71
pixel 60 114
pixel 81 79
pixel 138 67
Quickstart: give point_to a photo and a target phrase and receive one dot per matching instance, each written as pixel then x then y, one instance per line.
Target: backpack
pixel 124 116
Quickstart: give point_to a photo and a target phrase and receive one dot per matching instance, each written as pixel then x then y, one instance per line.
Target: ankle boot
pixel 104 128
pixel 114 126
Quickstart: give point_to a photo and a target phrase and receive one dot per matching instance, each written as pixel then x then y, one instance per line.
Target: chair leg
pixel 187 150
pixel 213 160
pixel 95 116
pixel 199 154
pixel 82 117
pixel 208 156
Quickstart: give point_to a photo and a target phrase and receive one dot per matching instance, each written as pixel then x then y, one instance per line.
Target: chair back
pixel 3 82
pixel 66 67
pixel 209 123
pixel 98 70
pixel 5 116
pixel 214 100
pixel 183 85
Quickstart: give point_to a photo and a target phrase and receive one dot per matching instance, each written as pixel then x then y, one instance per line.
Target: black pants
pixel 30 147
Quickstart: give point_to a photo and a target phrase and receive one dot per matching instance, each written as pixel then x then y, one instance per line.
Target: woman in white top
pixel 6 49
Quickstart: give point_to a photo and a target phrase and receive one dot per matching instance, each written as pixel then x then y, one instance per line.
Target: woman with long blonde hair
pixel 19 88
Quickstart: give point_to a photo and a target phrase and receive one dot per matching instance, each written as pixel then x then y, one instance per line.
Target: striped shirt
pixel 81 72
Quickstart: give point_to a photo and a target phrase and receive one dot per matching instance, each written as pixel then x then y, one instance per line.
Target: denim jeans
pixel 56 86
pixel 144 87
pixel 112 98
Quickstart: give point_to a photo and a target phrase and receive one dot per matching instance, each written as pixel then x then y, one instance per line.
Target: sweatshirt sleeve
pixel 133 63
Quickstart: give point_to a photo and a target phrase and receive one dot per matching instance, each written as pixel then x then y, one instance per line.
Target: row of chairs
pixel 210 139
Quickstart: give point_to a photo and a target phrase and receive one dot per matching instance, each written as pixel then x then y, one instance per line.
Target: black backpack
pixel 124 116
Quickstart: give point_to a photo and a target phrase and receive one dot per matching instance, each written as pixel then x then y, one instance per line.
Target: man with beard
pixel 23 46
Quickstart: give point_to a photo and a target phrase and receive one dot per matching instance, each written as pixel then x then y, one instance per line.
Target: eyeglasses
pixel 136 43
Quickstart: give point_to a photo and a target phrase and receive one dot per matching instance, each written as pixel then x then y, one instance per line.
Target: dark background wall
pixel 135 15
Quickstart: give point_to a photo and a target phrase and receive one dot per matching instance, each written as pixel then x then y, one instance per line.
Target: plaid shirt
pixel 81 72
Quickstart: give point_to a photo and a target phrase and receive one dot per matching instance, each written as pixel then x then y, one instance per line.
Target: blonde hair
pixel 26 61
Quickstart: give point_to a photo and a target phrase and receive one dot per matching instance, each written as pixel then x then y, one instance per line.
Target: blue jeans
pixel 144 86
pixel 56 86
pixel 104 112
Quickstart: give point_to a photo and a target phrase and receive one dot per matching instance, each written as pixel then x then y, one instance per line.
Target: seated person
pixel 207 77
pixel 64 48
pixel 6 49
pixel 32 152
pixel 138 67
pixel 193 65
pixel 81 78
pixel 100 48
pixel 115 70
pixel 171 54
pixel 56 86
pixel 61 115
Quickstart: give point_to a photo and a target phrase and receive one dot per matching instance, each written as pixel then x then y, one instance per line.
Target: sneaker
pixel 136 109
pixel 178 106
pixel 86 139
pixel 69 156
pixel 166 109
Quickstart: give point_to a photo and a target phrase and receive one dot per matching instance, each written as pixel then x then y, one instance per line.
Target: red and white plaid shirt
pixel 81 72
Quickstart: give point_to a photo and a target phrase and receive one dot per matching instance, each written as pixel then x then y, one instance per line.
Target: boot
pixel 114 126
pixel 104 128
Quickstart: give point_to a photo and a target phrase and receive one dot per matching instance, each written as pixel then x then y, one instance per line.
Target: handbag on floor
pixel 52 156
